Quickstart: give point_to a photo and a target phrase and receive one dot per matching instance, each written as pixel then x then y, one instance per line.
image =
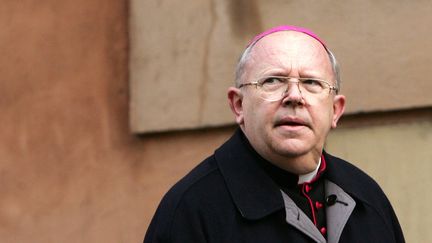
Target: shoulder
pixel 366 191
pixel 195 184
pixel 192 200
pixel 350 176
pixel 197 180
pixel 356 182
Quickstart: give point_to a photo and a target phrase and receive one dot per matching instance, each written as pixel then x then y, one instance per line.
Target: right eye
pixel 270 81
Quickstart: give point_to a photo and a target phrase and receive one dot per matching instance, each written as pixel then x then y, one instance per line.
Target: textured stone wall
pixel 383 48
pixel 395 149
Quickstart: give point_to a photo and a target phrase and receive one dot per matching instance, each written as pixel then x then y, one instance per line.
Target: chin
pixel 291 152
pixel 292 148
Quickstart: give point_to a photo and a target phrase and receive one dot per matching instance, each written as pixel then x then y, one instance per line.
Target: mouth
pixel 291 122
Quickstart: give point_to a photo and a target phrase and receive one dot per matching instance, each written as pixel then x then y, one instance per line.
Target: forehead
pixel 289 53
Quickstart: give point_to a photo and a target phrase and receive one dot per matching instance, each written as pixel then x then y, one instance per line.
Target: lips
pixel 291 122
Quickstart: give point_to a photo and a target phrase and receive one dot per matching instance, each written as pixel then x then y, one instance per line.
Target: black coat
pixel 228 198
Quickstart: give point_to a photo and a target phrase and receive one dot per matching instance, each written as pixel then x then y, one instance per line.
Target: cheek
pixel 257 114
pixel 322 116
pixel 318 108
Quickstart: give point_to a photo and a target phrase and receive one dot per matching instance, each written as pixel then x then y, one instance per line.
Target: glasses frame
pixel 289 80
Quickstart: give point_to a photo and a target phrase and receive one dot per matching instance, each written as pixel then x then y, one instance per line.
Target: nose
pixel 293 95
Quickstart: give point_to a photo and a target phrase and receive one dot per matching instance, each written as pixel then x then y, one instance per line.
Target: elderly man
pixel 272 181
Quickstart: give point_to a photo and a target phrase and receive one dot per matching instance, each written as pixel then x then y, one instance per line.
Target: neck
pixel 299 165
pixel 309 176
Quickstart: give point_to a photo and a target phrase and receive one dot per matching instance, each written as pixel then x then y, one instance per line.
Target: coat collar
pixel 255 194
pixel 253 191
pixel 351 179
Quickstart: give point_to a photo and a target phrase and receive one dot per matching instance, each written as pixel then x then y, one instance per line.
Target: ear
pixel 235 99
pixel 338 109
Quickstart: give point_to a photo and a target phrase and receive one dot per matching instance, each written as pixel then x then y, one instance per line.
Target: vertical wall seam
pixel 205 64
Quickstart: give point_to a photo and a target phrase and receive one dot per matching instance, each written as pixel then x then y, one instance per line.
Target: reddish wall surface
pixel 70 171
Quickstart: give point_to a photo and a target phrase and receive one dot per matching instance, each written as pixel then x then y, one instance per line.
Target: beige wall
pixel 395 149
pixel 71 171
pixel 194 51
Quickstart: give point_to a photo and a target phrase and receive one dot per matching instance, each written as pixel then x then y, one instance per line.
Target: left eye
pixel 311 82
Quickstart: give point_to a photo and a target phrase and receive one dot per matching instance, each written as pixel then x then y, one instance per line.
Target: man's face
pixel 290 132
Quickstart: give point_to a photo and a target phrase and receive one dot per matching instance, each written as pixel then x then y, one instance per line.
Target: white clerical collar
pixel 309 176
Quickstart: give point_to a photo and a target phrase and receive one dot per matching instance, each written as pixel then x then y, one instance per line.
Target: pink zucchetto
pixel 286 28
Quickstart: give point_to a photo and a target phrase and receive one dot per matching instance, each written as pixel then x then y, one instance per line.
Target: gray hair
pixel 244 58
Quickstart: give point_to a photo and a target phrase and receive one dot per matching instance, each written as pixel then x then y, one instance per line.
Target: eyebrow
pixel 285 74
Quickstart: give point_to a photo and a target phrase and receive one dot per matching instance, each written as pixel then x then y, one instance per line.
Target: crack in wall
pixel 205 67
pixel 245 18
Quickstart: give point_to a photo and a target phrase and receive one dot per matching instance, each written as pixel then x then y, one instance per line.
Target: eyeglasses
pixel 274 88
